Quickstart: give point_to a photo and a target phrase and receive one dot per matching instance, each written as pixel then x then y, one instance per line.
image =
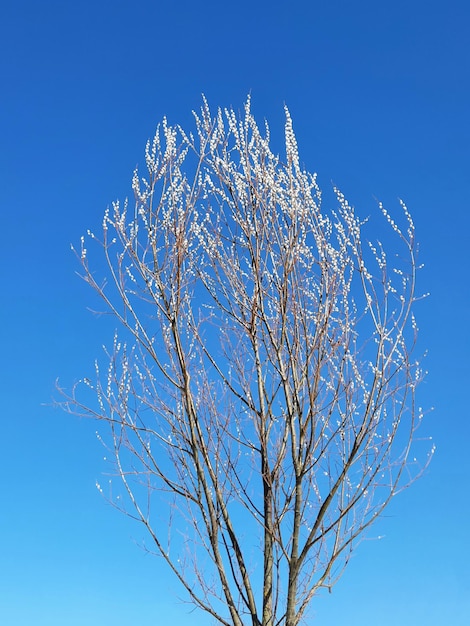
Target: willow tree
pixel 260 396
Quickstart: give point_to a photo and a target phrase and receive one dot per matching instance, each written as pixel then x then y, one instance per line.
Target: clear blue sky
pixel 380 97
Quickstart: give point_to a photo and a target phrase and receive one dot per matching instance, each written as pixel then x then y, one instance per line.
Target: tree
pixel 261 406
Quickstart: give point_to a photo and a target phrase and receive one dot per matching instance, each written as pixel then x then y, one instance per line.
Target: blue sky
pixel 379 93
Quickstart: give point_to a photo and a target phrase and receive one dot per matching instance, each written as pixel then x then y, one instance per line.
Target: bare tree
pixel 262 402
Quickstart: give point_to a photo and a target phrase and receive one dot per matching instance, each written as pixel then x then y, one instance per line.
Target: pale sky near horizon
pixel 379 93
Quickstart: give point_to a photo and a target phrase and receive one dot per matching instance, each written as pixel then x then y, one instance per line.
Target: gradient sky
pixel 379 93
